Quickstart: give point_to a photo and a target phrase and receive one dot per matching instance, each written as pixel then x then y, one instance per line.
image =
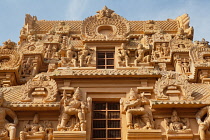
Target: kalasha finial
pixel 105 12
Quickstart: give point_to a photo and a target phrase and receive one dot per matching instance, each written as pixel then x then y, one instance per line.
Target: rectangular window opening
pixel 106 121
pixel 105 60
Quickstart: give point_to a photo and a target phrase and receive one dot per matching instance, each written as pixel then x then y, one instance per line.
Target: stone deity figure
pixel 5 126
pixel 139 54
pixel 48 52
pixel 32 129
pixel 175 122
pixel 165 49
pixel 73 107
pixel 72 55
pixel 27 67
pixel 85 56
pixel 135 106
pixel 185 66
pixel 203 126
pixel 123 55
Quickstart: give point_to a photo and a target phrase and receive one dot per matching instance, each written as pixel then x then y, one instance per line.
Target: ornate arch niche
pixel 200 55
pixel 106 25
pixel 40 89
pixel 9 59
pixel 173 86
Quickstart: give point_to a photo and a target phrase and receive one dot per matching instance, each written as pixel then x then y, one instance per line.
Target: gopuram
pixel 105 78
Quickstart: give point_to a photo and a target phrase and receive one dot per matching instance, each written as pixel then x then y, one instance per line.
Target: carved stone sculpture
pixel 139 55
pixel 123 55
pixel 34 129
pixel 6 127
pixel 9 44
pixel 85 56
pixel 203 127
pixel 27 67
pixel 71 57
pixel 104 13
pixel 177 125
pixel 135 108
pixel 40 89
pixel 73 111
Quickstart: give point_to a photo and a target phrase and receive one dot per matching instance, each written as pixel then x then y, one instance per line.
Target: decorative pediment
pixel 40 89
pixel 173 86
pixel 161 37
pixel 151 27
pixel 32 46
pixel 61 29
pixel 106 25
pixel 181 44
pixel 9 59
pixel 200 56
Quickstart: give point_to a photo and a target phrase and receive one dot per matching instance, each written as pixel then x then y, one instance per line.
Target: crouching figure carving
pixel 6 127
pixel 203 126
pixel 138 112
pixel 177 125
pixel 73 112
pixel 32 130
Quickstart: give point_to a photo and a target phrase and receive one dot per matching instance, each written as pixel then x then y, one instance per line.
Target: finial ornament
pixel 105 13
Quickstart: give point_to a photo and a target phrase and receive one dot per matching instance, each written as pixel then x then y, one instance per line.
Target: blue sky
pixel 13 12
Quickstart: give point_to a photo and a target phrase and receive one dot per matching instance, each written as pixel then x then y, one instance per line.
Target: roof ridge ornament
pixel 104 13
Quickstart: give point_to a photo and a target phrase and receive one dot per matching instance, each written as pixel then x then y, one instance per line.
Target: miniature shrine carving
pixel 7 128
pixel 203 120
pixel 73 111
pixel 177 125
pixel 137 115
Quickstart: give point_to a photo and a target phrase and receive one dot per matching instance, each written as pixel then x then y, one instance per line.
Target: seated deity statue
pixel 85 56
pixel 5 126
pixel 123 55
pixel 203 126
pixel 33 129
pixel 73 108
pixel 135 108
pixel 176 124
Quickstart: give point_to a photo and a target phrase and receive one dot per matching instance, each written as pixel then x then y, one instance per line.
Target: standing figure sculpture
pixel 85 56
pixel 203 125
pixel 123 55
pixel 139 54
pixel 134 106
pixel 28 67
pixel 5 126
pixel 72 55
pixel 73 107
